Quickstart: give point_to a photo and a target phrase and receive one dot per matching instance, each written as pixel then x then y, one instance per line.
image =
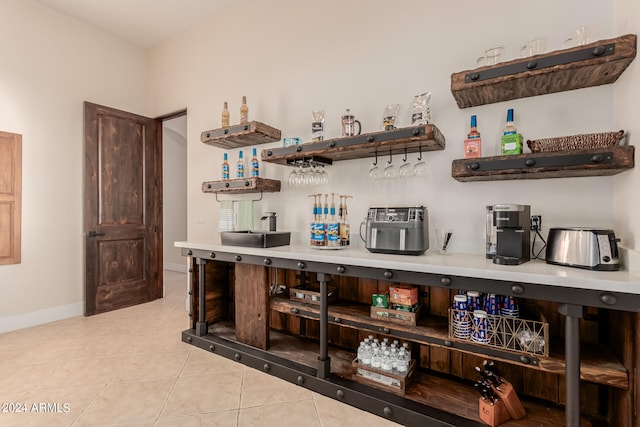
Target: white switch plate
pixel 200 219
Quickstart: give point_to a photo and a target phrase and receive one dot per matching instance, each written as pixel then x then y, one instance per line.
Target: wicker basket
pixel 576 142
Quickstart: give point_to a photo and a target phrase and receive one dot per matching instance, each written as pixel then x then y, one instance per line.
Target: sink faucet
pixel 271 216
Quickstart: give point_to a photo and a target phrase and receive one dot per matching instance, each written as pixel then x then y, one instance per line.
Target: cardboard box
pixel 403 295
pixel 380 300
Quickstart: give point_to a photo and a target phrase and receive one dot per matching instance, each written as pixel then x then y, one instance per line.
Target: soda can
pixel 473 300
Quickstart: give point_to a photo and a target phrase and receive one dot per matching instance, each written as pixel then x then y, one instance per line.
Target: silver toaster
pixel 588 248
pixel 397 230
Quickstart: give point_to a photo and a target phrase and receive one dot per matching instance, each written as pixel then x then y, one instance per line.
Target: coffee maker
pixel 513 233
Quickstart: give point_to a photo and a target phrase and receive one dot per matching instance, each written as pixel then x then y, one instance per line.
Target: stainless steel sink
pixel 255 239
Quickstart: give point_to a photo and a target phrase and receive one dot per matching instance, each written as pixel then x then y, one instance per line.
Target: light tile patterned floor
pixel 130 368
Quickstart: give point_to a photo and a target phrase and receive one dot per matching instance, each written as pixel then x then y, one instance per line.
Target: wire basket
pixel 508 333
pixel 576 142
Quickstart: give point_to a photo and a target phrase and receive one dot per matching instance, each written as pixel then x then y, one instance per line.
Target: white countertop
pixel 469 265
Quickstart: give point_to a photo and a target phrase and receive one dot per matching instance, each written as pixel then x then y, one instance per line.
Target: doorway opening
pixel 174 189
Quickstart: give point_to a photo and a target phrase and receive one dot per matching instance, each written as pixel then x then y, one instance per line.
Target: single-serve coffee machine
pixel 512 234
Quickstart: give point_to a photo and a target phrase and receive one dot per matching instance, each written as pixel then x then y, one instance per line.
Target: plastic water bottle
pixel 376 359
pixel 387 363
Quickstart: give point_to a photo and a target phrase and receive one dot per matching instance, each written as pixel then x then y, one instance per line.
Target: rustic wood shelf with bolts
pixel 241 185
pixel 411 139
pixel 593 64
pixel 241 135
pixel 550 164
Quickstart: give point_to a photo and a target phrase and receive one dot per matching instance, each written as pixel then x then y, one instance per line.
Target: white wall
pixel 174 197
pixel 626 94
pixel 50 65
pixel 289 57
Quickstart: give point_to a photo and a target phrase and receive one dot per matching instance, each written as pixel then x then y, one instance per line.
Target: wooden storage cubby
pixel 602 372
pixel 443 377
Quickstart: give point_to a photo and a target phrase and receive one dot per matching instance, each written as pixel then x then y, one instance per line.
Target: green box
pixel 380 300
pixel 511 144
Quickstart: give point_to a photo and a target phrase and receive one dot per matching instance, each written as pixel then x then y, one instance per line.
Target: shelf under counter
pixel 598 364
pixel 432 390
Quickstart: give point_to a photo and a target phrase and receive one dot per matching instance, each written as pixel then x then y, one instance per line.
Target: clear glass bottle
pixel 225 167
pixel 225 115
pixel 255 165
pixel 240 166
pixel 244 111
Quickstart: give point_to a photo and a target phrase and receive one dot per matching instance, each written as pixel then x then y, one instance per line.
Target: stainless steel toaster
pixel 397 230
pixel 588 248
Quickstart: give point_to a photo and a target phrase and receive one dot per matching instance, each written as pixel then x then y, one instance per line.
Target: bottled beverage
pixel 509 129
pixel 333 225
pixel 376 359
pixel 225 115
pixel 402 365
pixel 473 143
pixel 387 363
pixel 394 357
pixel 511 140
pixel 244 111
pixel 317 125
pixel 225 167
pixel 376 343
pixel 255 166
pixel 240 166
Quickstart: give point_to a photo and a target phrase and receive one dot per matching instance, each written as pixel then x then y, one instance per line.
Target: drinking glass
pixel 293 177
pixel 406 171
pixel 391 171
pixel 375 173
pixel 420 169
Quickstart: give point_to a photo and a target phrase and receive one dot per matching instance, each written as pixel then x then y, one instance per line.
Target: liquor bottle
pixel 240 166
pixel 225 167
pixel 244 111
pixel 255 166
pixel 473 143
pixel 511 140
pixel 225 116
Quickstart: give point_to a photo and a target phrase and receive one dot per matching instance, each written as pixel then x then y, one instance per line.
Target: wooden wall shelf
pixel 412 139
pixel 552 164
pixel 242 185
pixel 243 135
pixel 594 64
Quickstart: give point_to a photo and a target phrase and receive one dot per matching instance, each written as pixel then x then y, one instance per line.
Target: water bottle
pixel 387 363
pixel 376 359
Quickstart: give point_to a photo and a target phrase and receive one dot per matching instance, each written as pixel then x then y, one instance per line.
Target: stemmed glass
pixel 391 171
pixel 405 170
pixel 375 173
pixel 420 168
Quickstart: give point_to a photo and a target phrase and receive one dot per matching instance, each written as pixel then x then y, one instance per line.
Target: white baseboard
pixel 180 268
pixel 26 320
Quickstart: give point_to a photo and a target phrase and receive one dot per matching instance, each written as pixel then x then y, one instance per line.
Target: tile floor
pixel 130 368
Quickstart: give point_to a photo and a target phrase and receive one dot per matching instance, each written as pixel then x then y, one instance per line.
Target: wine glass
pixel 420 168
pixel 293 177
pixel 391 171
pixel 375 173
pixel 405 170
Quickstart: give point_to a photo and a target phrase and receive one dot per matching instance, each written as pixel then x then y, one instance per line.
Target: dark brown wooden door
pixel 123 209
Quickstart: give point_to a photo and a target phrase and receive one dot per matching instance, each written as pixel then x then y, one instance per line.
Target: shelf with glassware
pixel 242 135
pixel 592 64
pixel 411 139
pixel 548 164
